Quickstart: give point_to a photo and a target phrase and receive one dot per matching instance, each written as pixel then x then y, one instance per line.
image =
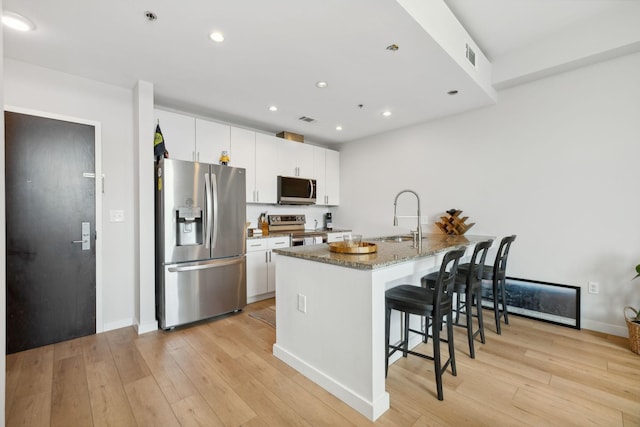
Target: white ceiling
pixel 275 51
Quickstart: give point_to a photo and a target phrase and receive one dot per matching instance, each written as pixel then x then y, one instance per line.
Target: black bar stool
pixel 468 284
pixel 497 274
pixel 434 304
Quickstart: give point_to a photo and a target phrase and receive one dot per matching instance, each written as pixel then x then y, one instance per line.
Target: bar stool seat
pixel 468 285
pixel 434 304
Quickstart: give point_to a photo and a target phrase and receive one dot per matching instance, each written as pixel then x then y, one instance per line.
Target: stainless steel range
pixel 294 224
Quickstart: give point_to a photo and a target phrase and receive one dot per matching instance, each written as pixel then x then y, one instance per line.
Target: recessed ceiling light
pixel 338 127
pixel 17 22
pixel 273 108
pixel 321 84
pixel 452 92
pixel 216 37
pixel 150 16
pixel 386 113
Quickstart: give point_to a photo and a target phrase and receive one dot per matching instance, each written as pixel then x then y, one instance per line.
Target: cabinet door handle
pixel 266 257
pixel 269 256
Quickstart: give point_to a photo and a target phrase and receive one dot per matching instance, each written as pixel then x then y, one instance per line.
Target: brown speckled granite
pixel 388 253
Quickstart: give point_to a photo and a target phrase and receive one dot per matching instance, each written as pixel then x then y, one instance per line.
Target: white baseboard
pixel 260 297
pixel 123 323
pixel 144 328
pixel 371 410
pixel 606 328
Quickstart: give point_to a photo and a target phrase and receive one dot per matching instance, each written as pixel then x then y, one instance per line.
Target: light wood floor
pixel 222 373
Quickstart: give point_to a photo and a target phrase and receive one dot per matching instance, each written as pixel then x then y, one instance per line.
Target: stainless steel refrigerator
pixel 200 241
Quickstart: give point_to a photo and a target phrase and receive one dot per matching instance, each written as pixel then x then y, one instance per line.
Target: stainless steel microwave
pixel 296 191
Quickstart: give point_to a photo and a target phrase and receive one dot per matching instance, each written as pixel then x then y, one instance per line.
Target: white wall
pixel 46 90
pixel 555 162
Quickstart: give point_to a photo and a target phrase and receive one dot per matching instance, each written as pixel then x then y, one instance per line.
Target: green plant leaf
pixel 637 271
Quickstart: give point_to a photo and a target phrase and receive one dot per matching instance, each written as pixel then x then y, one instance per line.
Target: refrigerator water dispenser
pixel 190 229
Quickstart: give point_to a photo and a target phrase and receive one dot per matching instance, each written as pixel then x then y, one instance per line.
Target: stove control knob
pixel 274 219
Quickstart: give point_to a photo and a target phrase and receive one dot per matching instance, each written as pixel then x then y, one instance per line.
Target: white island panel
pixel 339 342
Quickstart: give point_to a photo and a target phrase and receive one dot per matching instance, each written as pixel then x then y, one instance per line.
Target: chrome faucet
pixel 417 244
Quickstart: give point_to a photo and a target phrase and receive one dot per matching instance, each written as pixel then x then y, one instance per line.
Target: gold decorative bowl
pixel 346 248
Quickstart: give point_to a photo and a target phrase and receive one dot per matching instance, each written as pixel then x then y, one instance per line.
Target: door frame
pixel 99 190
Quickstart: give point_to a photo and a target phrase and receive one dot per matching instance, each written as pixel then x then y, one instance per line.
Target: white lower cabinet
pixel 261 266
pixel 337 236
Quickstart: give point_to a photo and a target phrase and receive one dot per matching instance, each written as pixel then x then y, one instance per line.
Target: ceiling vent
pixel 307 119
pixel 470 55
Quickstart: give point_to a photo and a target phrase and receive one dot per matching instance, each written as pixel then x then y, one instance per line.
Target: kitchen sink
pixel 396 239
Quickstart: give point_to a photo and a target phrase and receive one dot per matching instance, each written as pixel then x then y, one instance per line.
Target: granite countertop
pixel 388 253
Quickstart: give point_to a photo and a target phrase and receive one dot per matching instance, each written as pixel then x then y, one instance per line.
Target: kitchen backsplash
pixel 311 213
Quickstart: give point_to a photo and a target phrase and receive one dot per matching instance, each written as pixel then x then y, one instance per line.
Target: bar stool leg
pixel 496 304
pixel 436 356
pixel 469 315
pixel 387 324
pixel 452 350
pixel 405 342
pixel 503 286
pixel 478 299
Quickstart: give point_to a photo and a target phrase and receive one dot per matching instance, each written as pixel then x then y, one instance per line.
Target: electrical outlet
pixel 594 288
pixel 302 303
pixel 116 215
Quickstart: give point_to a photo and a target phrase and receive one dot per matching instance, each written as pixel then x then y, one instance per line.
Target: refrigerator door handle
pixel 207 196
pixel 214 193
pixel 218 263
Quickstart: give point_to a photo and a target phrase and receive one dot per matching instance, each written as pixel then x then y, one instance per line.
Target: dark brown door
pixel 51 266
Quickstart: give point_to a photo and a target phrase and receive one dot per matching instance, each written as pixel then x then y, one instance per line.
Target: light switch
pixel 302 303
pixel 116 215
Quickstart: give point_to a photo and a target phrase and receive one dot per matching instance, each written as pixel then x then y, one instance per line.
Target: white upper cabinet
pixel 327 174
pixel 268 160
pixel 243 155
pixel 296 159
pixel 179 132
pixel 191 139
pixel 332 177
pixel 263 156
pixel 319 174
pixel 211 139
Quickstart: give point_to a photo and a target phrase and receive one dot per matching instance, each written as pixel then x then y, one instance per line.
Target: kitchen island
pixel 330 312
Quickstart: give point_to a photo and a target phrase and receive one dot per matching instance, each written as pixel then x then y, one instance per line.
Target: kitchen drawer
pixel 254 245
pixel 279 242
